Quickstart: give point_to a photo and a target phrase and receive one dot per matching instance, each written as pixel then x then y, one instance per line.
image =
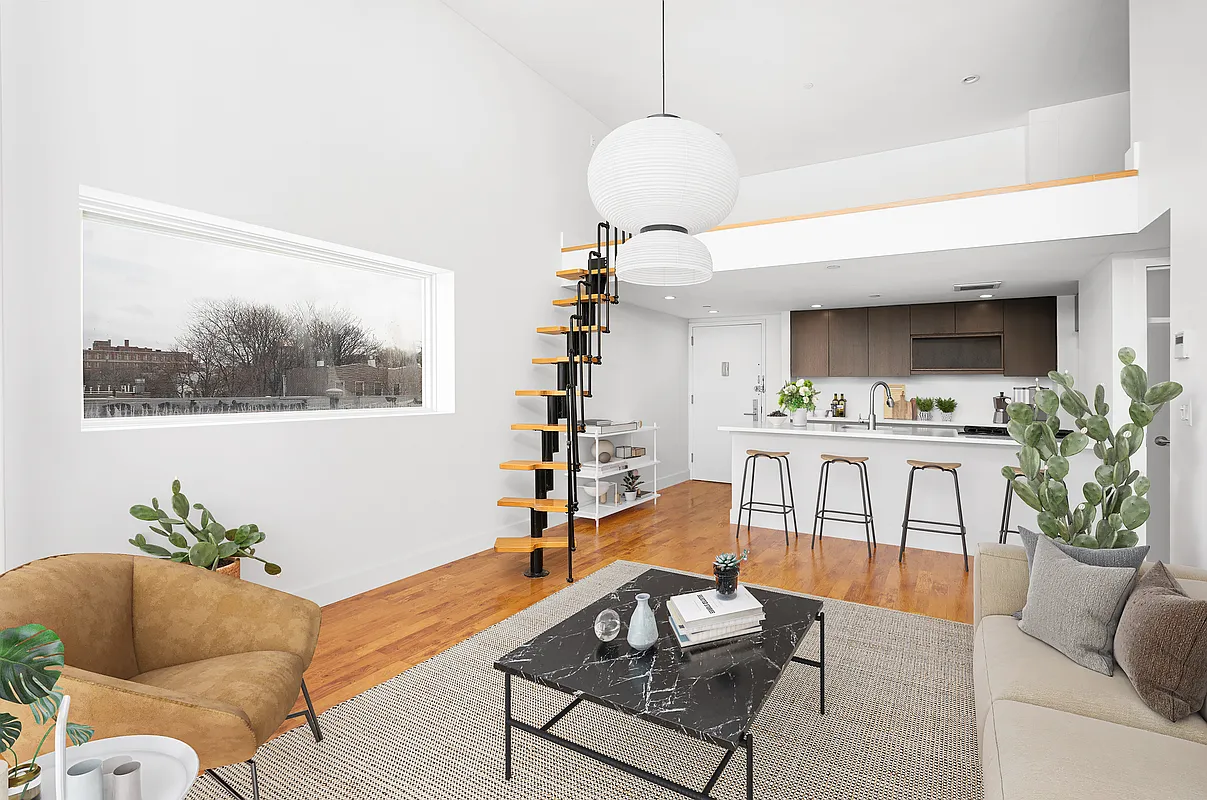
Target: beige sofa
pixel 1049 728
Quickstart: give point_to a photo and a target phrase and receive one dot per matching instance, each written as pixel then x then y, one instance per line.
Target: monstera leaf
pixel 31 658
pixel 10 731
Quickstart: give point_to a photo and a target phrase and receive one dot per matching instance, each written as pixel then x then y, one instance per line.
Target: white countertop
pixel 893 430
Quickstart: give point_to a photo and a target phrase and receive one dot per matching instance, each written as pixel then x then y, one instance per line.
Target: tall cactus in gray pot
pixel 1114 502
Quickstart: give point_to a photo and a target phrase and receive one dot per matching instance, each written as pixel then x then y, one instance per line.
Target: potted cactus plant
pixel 1114 503
pixel 925 406
pixel 631 482
pixel 947 406
pixel 31 660
pixel 217 548
pixel 726 568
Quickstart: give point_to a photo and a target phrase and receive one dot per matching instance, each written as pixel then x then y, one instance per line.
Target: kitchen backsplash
pixel 973 393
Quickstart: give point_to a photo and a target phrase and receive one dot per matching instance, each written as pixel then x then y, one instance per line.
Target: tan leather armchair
pixel 155 647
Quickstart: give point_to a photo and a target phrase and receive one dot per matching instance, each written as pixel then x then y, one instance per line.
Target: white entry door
pixel 726 373
pixel 1156 530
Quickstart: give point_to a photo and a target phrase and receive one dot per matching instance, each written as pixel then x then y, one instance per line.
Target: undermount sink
pixel 863 428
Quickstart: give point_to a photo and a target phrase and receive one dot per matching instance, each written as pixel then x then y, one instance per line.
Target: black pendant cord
pixel 664 57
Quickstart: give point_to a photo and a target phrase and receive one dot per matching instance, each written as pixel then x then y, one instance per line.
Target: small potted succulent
pixel 631 482
pixel 31 660
pixel 217 548
pixel 925 406
pixel 947 407
pixel 726 568
pixel 798 398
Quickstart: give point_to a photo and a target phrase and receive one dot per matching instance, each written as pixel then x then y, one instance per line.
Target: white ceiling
pixel 885 73
pixel 1025 270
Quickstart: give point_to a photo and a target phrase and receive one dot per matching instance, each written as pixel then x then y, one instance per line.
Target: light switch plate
pixel 1184 413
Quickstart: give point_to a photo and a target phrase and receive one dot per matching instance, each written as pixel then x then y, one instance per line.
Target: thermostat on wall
pixel 1181 344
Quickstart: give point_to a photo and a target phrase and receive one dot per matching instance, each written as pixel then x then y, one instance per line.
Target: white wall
pixel 393 127
pixel 972 393
pixel 1168 120
pixel 1082 138
pixel 1113 316
pixel 957 165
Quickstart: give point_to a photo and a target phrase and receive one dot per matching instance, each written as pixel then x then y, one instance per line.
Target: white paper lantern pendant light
pixel 665 179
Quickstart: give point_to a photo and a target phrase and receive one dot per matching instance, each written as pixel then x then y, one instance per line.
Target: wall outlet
pixel 1184 413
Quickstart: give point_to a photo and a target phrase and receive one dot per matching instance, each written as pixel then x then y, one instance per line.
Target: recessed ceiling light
pixel 873 296
pixel 808 85
pixel 816 305
pixel 706 306
pixel 712 311
pixel 834 266
pixel 986 296
pixel 669 297
pixel 971 79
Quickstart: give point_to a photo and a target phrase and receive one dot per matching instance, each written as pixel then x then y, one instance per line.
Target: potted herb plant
pixel 947 406
pixel 631 482
pixel 799 399
pixel 726 568
pixel 1115 505
pixel 31 660
pixel 925 406
pixel 217 548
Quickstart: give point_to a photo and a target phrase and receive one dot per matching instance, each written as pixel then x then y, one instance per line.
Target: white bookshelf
pixel 594 475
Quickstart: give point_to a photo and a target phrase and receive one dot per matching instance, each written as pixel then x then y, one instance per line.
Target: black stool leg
pixel 742 497
pixel 960 512
pixel 754 471
pixel 867 487
pixel 867 511
pixel 909 496
pixel 823 482
pixel 1007 505
pixel 791 498
pixel 783 499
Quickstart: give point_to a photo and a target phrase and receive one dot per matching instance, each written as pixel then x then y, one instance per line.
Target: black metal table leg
pixel 821 620
pixel 749 766
pixel 507 726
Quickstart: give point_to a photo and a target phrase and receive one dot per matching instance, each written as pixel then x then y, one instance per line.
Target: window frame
pixel 99 205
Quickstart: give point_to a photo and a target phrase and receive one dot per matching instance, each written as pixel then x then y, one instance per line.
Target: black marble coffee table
pixel 712 692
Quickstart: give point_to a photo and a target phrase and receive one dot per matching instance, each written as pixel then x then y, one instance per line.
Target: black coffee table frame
pixel 543 732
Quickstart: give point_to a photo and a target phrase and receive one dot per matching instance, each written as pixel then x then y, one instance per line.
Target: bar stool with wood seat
pixel 865 491
pixel 1007 505
pixel 787 504
pixel 908 524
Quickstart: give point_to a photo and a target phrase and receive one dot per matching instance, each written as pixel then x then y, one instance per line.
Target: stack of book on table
pixel 705 616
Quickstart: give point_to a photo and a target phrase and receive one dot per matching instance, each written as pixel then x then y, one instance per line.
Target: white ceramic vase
pixel 643 629
pixel 800 417
pixel 948 416
pixel 630 497
pixel 84 780
pixel 125 783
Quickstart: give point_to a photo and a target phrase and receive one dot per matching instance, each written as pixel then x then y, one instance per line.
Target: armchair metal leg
pixel 311 718
pixel 232 791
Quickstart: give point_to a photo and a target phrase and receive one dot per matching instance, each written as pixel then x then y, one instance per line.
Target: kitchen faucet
pixel 888 401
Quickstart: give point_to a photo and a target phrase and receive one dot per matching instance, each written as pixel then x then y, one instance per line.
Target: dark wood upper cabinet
pixel 1029 336
pixel 983 316
pixel 810 344
pixel 935 318
pixel 888 341
pixel 849 342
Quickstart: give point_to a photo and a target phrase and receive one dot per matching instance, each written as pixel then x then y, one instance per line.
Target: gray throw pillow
pixel 1115 557
pixel 1075 607
pixel 1162 645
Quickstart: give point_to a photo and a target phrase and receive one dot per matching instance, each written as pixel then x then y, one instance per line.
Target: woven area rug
pixel 899 723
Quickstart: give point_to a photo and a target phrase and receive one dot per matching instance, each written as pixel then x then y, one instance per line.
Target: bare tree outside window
pixel 179 325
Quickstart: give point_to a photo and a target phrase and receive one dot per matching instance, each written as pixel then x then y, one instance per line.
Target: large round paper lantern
pixel 663 171
pixel 663 258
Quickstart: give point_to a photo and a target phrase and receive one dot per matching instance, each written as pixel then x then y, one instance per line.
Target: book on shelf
pixel 604 426
pixel 704 611
pixel 724 632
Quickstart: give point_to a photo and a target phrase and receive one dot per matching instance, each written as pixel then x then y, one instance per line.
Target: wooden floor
pixel 368 639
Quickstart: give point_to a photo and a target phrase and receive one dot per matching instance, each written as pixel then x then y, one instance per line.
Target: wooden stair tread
pixel 561 302
pixel 535 503
pixel 522 464
pixel 564 360
pixel 536 426
pixel 578 274
pixel 547 392
pixel 526 544
pixel 553 330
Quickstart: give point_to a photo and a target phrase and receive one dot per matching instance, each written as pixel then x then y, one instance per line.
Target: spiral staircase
pixel 596 290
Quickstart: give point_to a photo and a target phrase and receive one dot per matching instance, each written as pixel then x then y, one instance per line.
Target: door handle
pixel 1161 441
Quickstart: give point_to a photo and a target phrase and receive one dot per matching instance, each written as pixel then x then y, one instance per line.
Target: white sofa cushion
pixel 1010 665
pixel 1032 752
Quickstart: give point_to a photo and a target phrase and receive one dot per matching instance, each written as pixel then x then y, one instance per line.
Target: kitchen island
pixel 887 448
